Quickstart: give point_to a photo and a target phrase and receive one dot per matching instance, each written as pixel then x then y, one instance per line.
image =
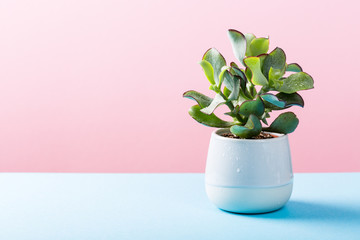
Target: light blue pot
pixel 248 176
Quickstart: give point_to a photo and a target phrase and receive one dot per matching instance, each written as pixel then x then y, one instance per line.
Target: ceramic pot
pixel 248 176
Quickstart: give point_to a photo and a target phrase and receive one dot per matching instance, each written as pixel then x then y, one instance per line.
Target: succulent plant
pixel 251 93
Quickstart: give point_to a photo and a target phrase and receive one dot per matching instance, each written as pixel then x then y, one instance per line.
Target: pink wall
pixel 95 86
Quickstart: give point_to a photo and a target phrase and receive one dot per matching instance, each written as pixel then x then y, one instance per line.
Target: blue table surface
pixel 168 206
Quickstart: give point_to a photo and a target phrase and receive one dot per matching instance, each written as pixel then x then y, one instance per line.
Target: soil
pixel 262 135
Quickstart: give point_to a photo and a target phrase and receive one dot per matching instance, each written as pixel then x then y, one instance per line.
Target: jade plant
pixel 264 84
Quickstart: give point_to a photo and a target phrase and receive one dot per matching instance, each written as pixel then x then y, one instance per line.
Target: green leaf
pixel 284 123
pixel 293 67
pixel 276 59
pixel 262 59
pixel 236 89
pixel 208 120
pixel 275 74
pixel 228 80
pixel 227 92
pixel 250 129
pixel 232 64
pixel 259 46
pixel 296 82
pixel 249 37
pixel 257 78
pixel 271 100
pixel 238 72
pixel 238 43
pixel 291 99
pixel 217 101
pixel 216 60
pixel 209 71
pixel 200 98
pixel 221 76
pixel 263 118
pixel 254 107
pixel 248 73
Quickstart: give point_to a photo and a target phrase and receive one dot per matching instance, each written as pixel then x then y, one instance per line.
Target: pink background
pixel 96 86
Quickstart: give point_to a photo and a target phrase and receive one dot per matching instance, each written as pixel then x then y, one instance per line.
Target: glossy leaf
pixel 262 59
pixel 293 67
pixel 257 78
pixel 250 129
pixel 276 59
pixel 228 80
pixel 296 82
pixel 236 88
pixel 217 101
pixel 275 74
pixel 291 99
pixel 255 107
pixel 284 123
pixel 238 72
pixel 232 64
pixel 200 98
pixel 248 73
pixel 216 60
pixel 208 120
pixel 259 46
pixel 208 70
pixel 271 100
pixel 221 76
pixel 263 118
pixel 249 37
pixel 275 80
pixel 227 92
pixel 238 42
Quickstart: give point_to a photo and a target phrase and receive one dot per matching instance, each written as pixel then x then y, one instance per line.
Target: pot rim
pixel 219 131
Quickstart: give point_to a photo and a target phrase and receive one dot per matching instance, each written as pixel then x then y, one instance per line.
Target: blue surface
pixel 168 206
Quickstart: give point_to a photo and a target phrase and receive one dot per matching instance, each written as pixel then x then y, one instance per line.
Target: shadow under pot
pixel 248 175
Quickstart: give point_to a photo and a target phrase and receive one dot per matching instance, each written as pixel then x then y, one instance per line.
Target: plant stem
pixel 231 106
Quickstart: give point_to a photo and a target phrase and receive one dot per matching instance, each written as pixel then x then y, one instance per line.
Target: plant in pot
pixel 248 168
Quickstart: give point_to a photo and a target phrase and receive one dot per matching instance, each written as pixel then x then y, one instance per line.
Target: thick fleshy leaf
pixel 255 107
pixel 248 73
pixel 237 71
pixel 259 46
pixel 276 59
pixel 262 58
pixel 208 70
pixel 284 123
pixel 218 100
pixel 257 78
pixel 236 88
pixel 227 92
pixel 275 80
pixel 228 80
pixel 208 120
pixel 264 116
pixel 249 37
pixel 250 129
pixel 293 67
pixel 264 121
pixel 291 99
pixel 296 82
pixel 232 64
pixel 216 60
pixel 275 74
pixel 238 43
pixel 272 101
pixel 200 98
pixel 221 76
